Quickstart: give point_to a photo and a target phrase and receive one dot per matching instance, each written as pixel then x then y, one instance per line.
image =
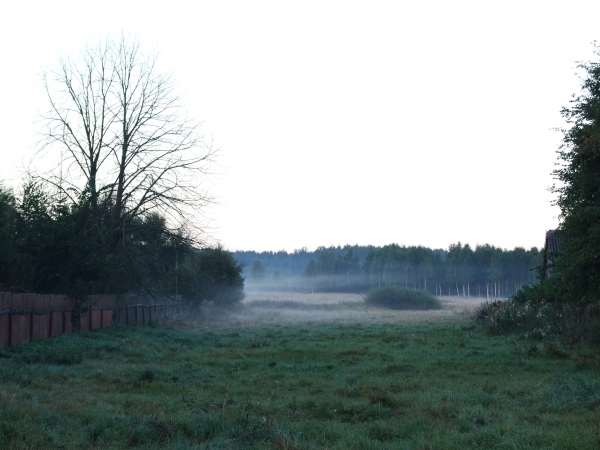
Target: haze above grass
pixel 270 308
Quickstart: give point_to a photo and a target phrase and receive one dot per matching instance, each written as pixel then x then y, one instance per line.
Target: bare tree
pixel 125 143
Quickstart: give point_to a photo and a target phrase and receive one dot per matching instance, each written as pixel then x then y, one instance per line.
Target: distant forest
pixel 483 271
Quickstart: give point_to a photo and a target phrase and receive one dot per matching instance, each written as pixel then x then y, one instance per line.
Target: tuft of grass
pixel 396 297
pixel 147 375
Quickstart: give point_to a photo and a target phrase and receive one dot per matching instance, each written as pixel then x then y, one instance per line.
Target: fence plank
pixel 20 328
pixel 96 318
pixel 5 320
pixel 106 317
pixel 68 322
pixel 41 326
pixel 4 330
pixel 57 323
pixel 84 322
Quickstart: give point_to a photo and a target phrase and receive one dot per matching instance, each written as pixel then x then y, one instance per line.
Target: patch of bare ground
pixel 268 308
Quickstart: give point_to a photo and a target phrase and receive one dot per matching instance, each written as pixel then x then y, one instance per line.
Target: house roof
pixel 552 244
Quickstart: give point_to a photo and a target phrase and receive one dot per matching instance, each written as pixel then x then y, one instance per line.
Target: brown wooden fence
pixel 28 317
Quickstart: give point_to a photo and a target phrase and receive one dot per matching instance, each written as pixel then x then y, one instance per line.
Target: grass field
pixel 292 308
pixel 414 382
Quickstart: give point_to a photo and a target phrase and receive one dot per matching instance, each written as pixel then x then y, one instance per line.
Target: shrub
pixel 540 292
pixel 539 311
pixel 535 319
pixel 487 310
pixel 394 297
pixel 212 275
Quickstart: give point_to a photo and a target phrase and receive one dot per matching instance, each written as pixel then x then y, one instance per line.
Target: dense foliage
pixel 212 275
pixel 579 192
pixel 49 244
pixel 485 271
pixel 394 297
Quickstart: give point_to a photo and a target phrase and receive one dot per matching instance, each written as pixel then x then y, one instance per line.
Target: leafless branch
pixel 125 141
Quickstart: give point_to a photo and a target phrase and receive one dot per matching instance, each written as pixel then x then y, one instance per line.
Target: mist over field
pixel 483 271
pixel 276 308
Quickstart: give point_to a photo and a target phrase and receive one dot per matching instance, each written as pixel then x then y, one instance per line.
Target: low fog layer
pixel 359 284
pixel 273 308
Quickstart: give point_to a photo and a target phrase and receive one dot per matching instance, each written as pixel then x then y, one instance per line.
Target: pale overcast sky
pixel 341 122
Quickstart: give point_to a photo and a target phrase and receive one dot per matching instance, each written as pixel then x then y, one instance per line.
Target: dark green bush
pixel 212 275
pixel 540 292
pixel 395 297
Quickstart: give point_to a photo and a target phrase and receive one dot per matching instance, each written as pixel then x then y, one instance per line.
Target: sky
pixel 340 122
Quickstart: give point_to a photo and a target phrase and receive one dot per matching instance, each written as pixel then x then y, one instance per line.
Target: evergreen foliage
pixel 212 275
pixel 48 244
pixel 8 214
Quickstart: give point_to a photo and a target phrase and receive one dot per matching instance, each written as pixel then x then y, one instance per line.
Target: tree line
pixel 483 271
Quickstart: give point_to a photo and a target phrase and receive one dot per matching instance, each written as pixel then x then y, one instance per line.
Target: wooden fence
pixel 28 317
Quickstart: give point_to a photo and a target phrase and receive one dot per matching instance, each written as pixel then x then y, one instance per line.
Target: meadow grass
pixel 341 386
